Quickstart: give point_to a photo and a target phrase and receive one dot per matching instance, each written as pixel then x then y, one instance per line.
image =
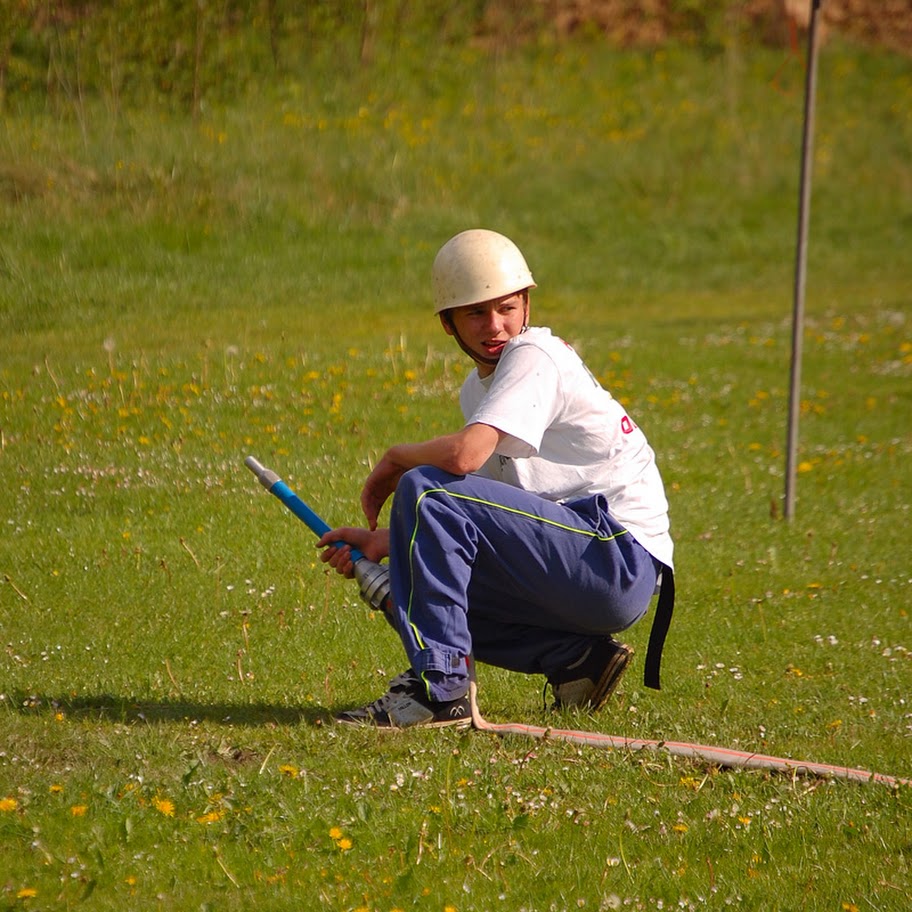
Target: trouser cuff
pixel 446 674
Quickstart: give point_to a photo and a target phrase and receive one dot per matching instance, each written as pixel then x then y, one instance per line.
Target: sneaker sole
pixel 375 726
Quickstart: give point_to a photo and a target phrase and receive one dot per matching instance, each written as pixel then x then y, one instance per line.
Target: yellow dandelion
pixel 55 789
pixel 286 769
pixel 27 893
pixel 211 817
pixel 680 827
pixel 335 833
pixel 7 805
pixel 163 806
pixel 344 844
pixel 79 810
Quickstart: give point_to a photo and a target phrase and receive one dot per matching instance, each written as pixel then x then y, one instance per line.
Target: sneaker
pixel 589 681
pixel 406 705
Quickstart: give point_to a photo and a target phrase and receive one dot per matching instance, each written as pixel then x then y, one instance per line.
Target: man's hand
pixel 374 545
pixel 380 485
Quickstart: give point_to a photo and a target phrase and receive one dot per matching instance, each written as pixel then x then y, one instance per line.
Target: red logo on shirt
pixel 627 426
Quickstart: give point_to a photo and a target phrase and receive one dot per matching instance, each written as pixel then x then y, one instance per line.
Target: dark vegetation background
pixel 186 54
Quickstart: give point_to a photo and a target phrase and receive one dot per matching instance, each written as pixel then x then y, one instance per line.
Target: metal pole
pixel 804 208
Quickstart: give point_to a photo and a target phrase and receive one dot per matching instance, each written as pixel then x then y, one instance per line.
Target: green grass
pixel 175 296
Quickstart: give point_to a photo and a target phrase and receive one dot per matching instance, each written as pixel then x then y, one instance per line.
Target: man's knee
pixel 421 479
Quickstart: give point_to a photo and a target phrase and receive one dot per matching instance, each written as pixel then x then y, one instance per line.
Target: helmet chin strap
pixel 483 359
pixel 478 359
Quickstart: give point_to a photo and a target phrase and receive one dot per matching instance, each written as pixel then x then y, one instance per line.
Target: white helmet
pixel 478 265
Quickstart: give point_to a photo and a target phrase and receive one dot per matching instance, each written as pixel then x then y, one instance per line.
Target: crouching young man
pixel 528 538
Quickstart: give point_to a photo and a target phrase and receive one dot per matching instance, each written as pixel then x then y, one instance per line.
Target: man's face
pixel 485 328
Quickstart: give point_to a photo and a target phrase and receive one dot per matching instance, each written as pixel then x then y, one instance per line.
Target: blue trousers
pixel 479 566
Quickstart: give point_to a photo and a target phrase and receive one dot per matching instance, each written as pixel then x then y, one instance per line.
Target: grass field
pixel 176 295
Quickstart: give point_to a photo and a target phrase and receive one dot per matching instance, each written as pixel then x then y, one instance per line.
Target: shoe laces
pixel 401 684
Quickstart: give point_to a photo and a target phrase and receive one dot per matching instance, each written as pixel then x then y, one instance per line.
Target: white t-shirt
pixel 567 437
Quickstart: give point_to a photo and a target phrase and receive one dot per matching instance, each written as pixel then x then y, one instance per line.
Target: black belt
pixel 660 624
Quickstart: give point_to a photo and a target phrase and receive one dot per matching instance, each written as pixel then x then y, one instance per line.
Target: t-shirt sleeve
pixel 522 401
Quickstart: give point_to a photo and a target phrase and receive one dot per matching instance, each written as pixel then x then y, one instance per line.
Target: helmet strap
pixel 482 359
pixel 478 359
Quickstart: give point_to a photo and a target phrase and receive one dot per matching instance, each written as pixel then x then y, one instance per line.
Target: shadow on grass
pixel 111 708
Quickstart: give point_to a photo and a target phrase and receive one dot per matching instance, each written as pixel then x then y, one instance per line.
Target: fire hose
pixel 373 581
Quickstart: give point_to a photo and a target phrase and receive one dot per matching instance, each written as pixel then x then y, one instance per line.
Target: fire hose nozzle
pixel 372 578
pixel 266 477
